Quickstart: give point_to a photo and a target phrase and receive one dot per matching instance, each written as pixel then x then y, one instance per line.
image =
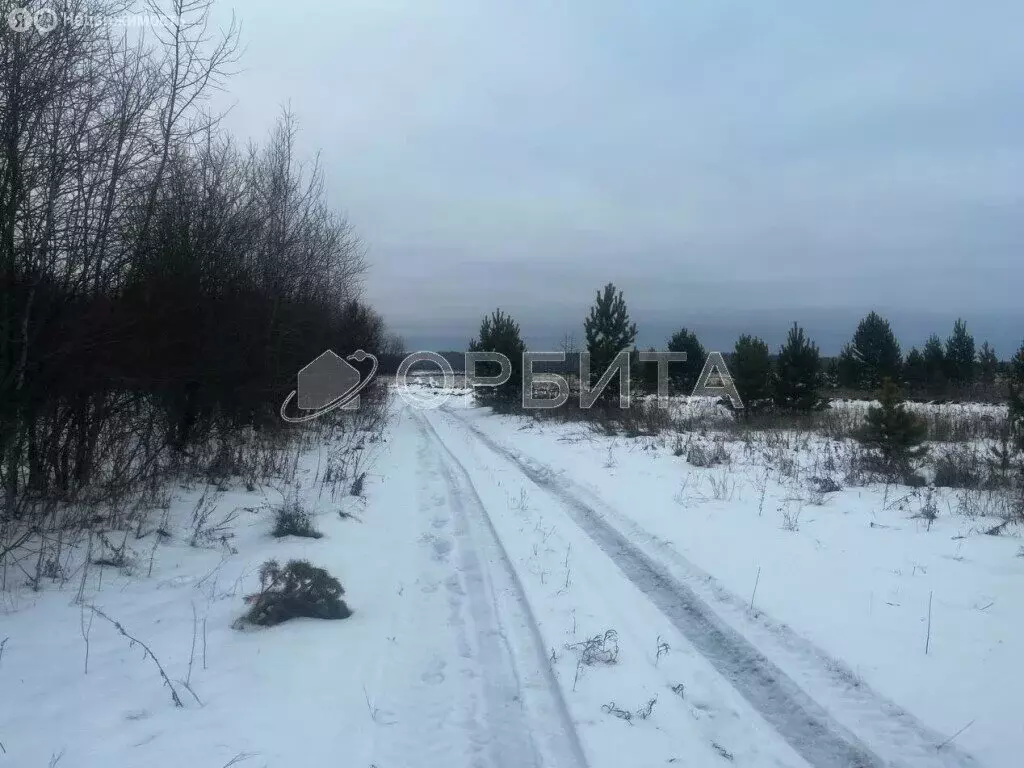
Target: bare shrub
pixel 973 503
pixel 641 713
pixel 645 419
pixel 725 753
pixel 723 487
pixel 825 485
pixel 114 555
pixel 292 519
pixel 703 455
pixel 929 508
pixel 597 650
pixel 645 711
pixel 791 515
pixel 357 485
pixel 205 527
pixel 623 714
pixel 959 467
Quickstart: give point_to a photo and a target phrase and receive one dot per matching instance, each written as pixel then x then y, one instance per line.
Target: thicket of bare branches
pixel 159 284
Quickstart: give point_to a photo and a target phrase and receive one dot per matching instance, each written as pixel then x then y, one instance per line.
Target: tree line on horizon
pixel 795 378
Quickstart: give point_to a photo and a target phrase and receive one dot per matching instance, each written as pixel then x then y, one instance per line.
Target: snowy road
pixel 536 567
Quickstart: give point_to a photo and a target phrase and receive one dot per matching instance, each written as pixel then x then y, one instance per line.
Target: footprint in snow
pixel 435 675
pixel 442 548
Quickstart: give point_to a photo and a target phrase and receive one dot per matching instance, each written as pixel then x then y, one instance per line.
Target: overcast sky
pixel 730 165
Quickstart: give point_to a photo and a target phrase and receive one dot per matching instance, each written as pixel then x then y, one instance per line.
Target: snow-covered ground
pixel 536 594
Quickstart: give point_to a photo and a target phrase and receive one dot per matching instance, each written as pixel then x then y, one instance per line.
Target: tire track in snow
pixel 522 700
pixel 802 722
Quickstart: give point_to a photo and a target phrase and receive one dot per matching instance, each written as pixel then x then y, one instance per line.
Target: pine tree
pixel 1016 404
pixel 644 376
pixel 894 433
pixel 831 375
pixel 685 374
pixel 988 364
pixel 872 356
pixel 1006 458
pixel 799 378
pixel 960 355
pixel 608 330
pixel 915 371
pixel 751 369
pixel 935 365
pixel 500 333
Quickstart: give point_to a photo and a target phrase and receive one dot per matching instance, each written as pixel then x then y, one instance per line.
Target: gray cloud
pixel 713 158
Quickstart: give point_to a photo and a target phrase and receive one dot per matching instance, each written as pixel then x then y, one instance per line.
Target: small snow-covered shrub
pixel 357 485
pixel 825 485
pixel 645 419
pixel 722 487
pixel 297 590
pixel 791 515
pixel 292 520
pixel 867 467
pixel 929 509
pixel 702 455
pixel 959 468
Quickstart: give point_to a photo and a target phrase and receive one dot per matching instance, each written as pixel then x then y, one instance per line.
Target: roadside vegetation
pixel 161 285
pixel 950 415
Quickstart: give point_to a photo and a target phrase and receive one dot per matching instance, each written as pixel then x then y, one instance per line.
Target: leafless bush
pixel 760 483
pixel 929 508
pixel 723 486
pixel 114 555
pixel 597 650
pixel 973 503
pixel 622 714
pixel 703 455
pixel 959 467
pixel 726 754
pixel 645 418
pixel 867 467
pixel 688 495
pixel 292 519
pixel 641 713
pixel 357 484
pixel 203 529
pixel 825 485
pixel 791 510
